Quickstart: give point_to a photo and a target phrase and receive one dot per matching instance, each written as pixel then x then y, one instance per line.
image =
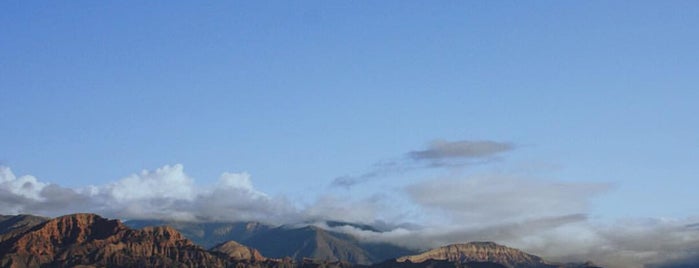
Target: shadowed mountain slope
pixel 207 234
pixel 286 241
pixel 9 223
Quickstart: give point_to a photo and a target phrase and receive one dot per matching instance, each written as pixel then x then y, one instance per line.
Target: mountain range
pixel 287 241
pixel 89 240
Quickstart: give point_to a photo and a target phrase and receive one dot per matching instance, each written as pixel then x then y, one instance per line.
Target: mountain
pixel 9 223
pixel 487 252
pixel 207 234
pixel 287 241
pixel 88 239
pixel 317 243
pixel 238 252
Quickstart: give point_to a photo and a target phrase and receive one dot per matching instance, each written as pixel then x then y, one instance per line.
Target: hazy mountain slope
pixel 317 243
pixel 9 223
pixel 295 242
pixel 207 234
pixel 308 242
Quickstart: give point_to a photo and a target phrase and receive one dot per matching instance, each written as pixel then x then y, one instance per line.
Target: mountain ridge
pixel 89 239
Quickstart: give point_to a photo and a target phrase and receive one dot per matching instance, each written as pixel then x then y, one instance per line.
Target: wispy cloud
pixel 438 154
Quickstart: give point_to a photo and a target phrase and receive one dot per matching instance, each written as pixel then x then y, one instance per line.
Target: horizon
pixel 565 129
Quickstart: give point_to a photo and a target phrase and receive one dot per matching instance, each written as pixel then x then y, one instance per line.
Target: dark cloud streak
pixel 441 149
pixel 439 154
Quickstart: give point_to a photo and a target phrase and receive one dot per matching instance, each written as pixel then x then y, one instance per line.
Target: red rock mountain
pixel 88 239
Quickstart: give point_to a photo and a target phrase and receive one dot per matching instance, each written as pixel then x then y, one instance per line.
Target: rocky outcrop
pixel 238 252
pixel 486 252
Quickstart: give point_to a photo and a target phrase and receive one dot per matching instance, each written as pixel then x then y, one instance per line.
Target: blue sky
pixel 299 94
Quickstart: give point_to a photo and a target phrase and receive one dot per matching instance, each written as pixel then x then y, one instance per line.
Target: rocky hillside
pixel 488 252
pixel 478 251
pixel 238 252
pixel 88 239
pixel 287 241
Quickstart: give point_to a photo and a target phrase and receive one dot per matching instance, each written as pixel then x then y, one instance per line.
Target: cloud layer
pixel 547 218
pixel 164 193
pixel 495 199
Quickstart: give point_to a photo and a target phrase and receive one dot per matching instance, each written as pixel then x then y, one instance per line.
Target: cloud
pixel 168 182
pixel 380 169
pixel 25 186
pixel 442 149
pixel 636 243
pixel 427 237
pixel 165 193
pixel 438 154
pixel 546 218
pixel 493 199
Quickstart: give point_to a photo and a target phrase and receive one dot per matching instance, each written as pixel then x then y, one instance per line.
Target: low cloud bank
pixel 546 218
pixel 164 193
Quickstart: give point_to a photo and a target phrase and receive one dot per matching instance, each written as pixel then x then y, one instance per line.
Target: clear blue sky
pixel 299 93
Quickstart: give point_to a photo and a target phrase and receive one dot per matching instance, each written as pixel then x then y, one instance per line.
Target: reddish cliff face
pixel 88 239
pixel 239 252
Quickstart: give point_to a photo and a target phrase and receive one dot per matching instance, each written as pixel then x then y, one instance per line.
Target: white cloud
pixel 236 181
pixel 24 186
pixel 168 182
pixel 165 193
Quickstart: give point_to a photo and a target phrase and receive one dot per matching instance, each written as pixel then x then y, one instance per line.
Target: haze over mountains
pixel 90 240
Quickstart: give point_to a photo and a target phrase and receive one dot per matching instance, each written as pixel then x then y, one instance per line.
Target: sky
pixel 519 122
